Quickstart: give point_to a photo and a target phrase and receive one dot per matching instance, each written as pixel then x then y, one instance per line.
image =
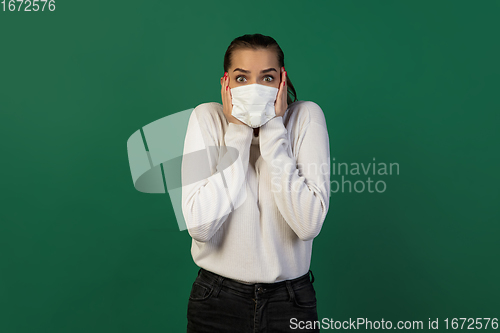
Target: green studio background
pixel 407 82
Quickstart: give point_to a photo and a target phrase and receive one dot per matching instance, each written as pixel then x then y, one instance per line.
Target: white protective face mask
pixel 253 104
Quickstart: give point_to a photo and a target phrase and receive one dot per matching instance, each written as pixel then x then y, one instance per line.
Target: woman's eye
pixel 240 79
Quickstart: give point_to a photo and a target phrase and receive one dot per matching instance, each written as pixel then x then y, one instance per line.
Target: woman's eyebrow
pixel 272 69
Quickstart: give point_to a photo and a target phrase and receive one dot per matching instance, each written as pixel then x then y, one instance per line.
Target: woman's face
pixel 254 66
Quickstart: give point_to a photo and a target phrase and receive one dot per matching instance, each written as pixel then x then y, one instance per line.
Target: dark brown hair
pixel 256 42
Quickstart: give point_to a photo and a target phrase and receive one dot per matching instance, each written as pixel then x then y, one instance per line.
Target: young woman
pixel 266 163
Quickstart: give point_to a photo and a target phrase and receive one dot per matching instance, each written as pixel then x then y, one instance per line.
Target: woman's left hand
pixel 281 104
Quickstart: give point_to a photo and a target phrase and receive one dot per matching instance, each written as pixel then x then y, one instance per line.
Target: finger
pixel 280 94
pixel 282 91
pixel 285 91
pixel 222 86
pixel 285 88
pixel 280 88
pixel 224 89
pixel 228 96
pixel 225 93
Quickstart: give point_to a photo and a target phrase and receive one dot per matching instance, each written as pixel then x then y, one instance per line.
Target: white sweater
pixel 259 205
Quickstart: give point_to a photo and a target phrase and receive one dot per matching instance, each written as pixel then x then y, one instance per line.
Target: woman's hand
pixel 227 102
pixel 281 103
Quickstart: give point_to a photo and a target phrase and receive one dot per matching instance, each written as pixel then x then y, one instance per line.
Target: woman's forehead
pixel 254 60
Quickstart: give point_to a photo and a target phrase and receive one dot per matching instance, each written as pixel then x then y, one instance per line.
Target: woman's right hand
pixel 227 102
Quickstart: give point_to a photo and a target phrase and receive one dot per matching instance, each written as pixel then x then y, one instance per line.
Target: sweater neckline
pixel 255 139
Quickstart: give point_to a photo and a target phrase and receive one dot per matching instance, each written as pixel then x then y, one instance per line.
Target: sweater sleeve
pixel 301 187
pixel 213 173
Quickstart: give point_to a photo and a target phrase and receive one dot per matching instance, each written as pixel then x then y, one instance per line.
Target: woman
pixel 265 197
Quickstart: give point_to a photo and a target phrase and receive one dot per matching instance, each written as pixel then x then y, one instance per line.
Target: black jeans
pixel 219 305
